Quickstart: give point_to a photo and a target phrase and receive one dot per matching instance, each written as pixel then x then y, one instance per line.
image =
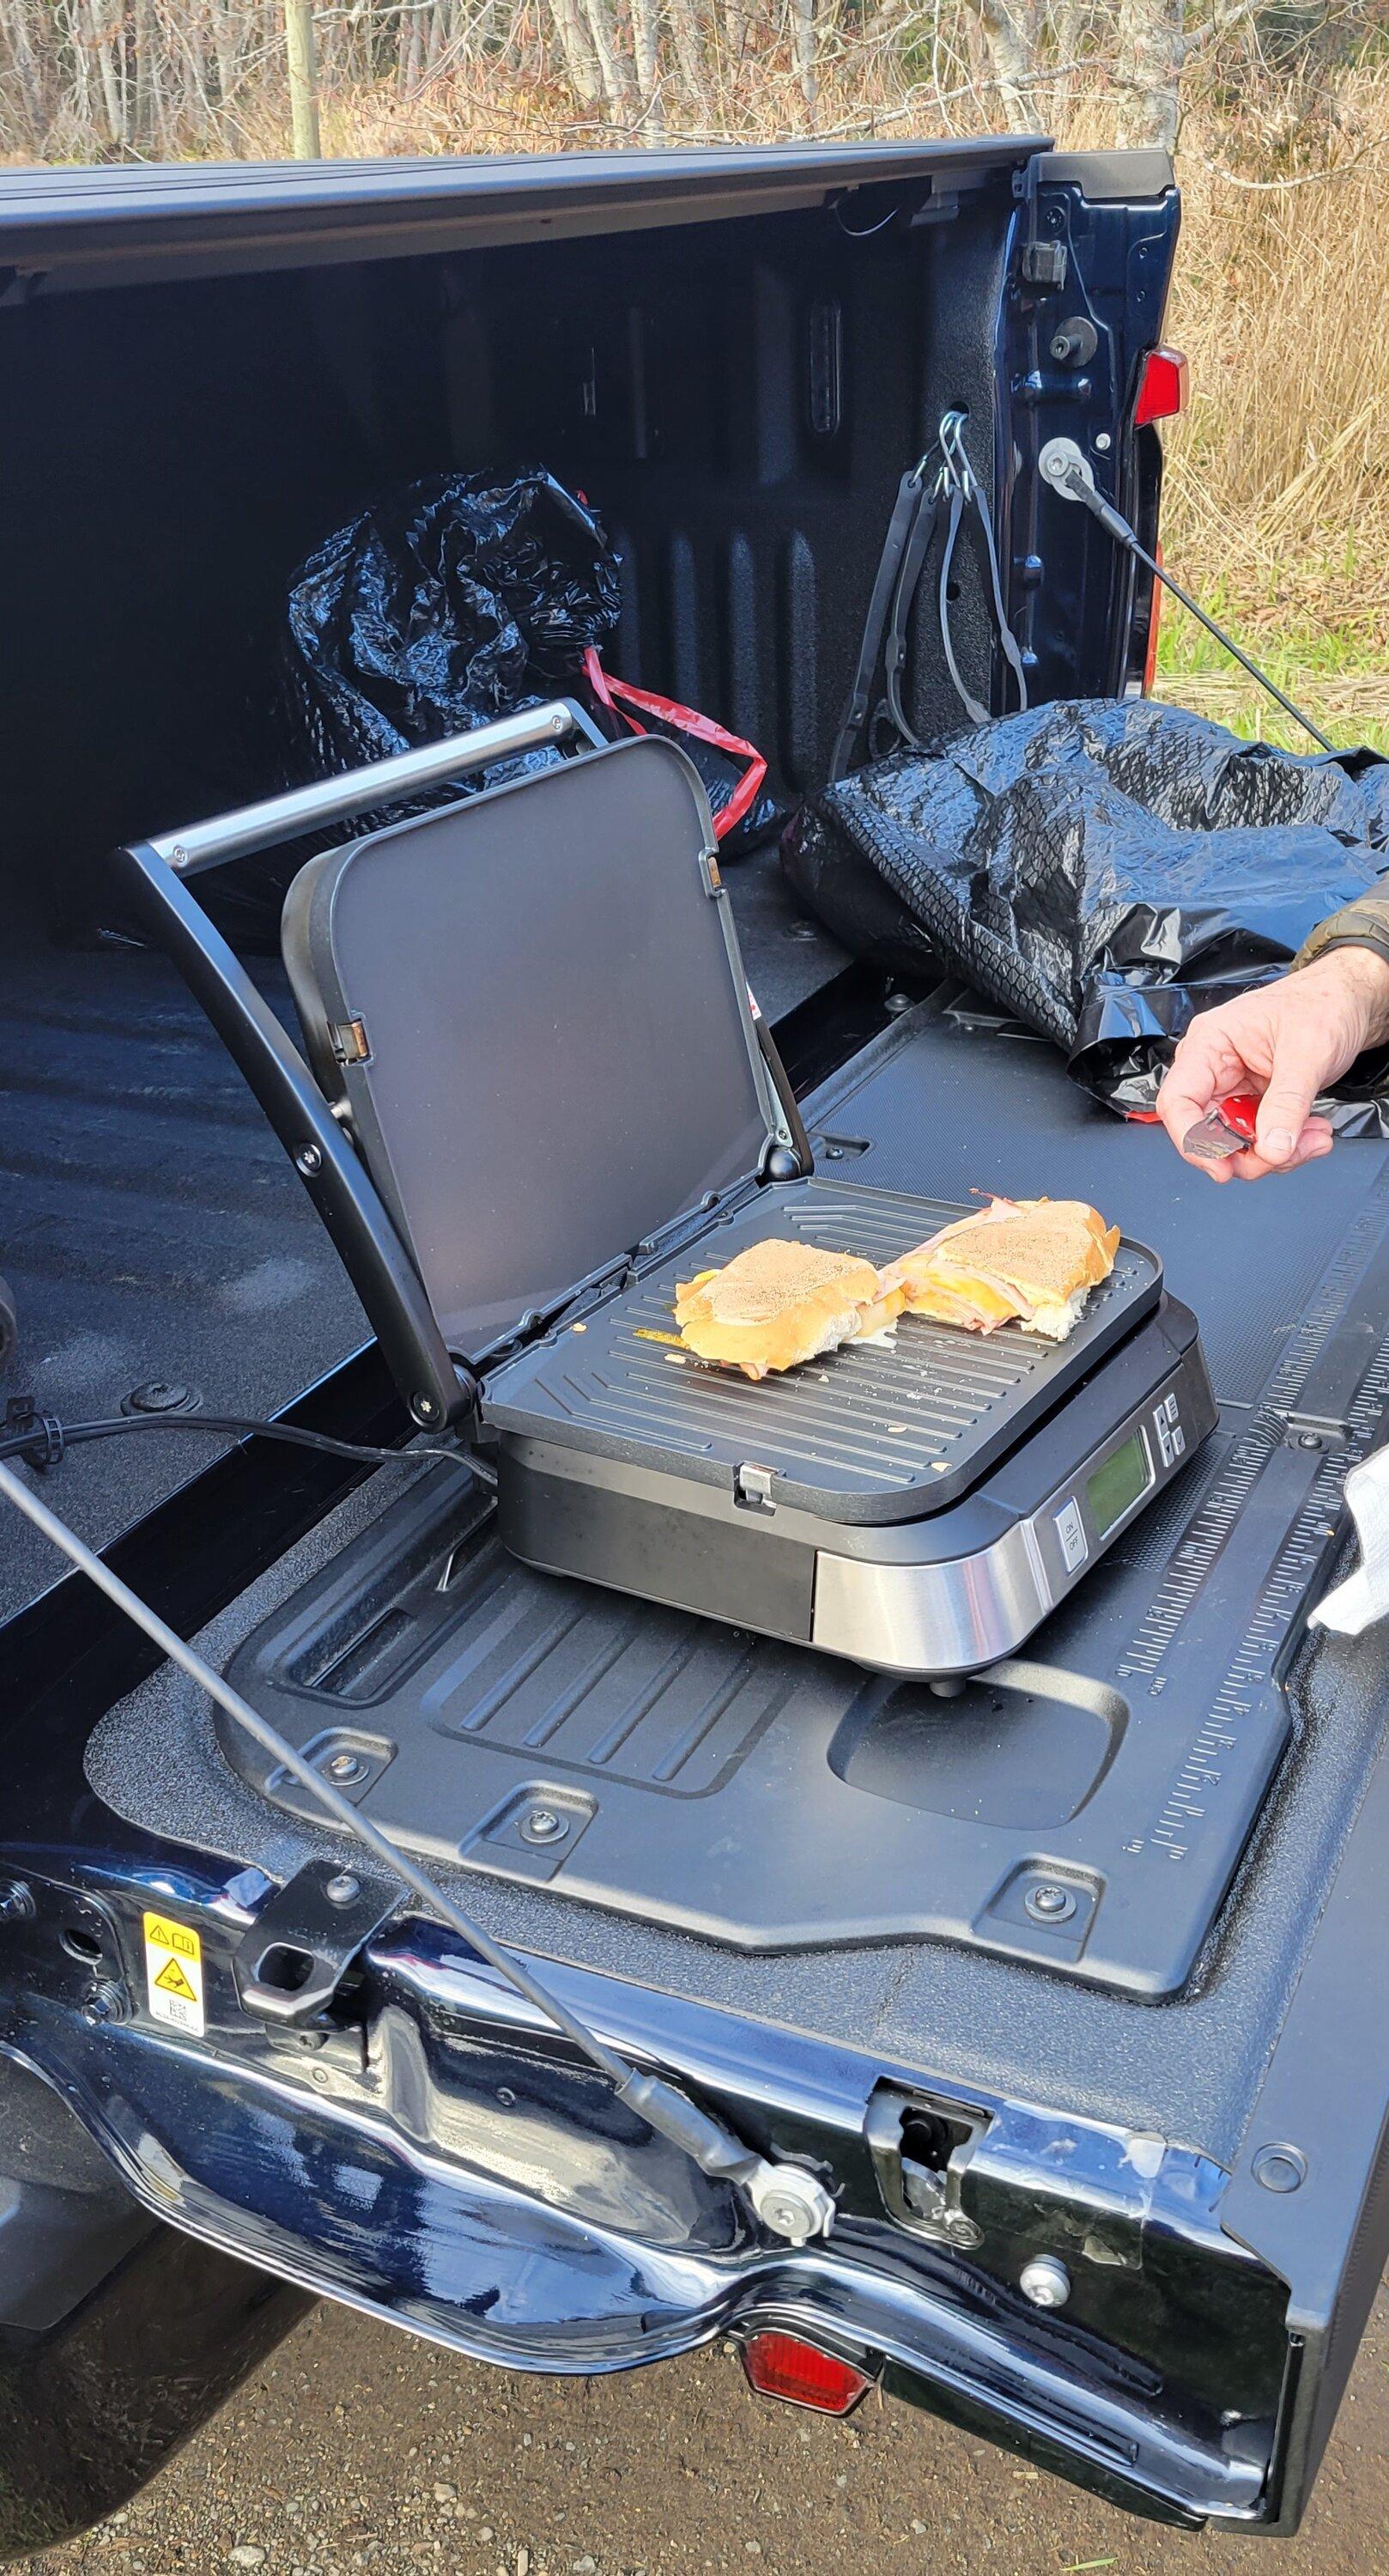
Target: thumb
pixel 1299 1067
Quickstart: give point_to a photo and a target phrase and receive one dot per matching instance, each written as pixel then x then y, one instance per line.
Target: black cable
pixel 1069 473
pixel 43 1440
pixel 1196 610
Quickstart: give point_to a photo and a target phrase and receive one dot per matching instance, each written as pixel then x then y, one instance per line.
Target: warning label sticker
pixel 174 1974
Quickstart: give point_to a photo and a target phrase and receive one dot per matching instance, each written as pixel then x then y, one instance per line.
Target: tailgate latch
pixel 290 1963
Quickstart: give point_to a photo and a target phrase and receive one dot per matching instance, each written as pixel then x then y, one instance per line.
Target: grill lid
pixel 533 1006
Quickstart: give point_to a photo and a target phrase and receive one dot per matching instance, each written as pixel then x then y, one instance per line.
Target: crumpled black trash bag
pixel 458 600
pixel 1102 869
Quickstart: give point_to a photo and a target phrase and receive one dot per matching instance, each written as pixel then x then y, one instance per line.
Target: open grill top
pixel 879 1431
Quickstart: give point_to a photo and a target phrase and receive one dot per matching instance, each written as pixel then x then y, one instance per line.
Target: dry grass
pixel 1277 498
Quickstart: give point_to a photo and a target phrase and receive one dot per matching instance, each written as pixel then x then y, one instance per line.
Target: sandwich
pixel 780 1303
pixel 1029 1261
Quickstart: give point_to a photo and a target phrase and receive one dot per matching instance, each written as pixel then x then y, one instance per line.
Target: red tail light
pixel 1161 387
pixel 785 2365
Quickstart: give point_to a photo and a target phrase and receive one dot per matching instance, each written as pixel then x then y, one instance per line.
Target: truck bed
pixel 945 1101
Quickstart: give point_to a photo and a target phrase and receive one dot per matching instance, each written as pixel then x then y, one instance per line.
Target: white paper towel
pixel 1364 1596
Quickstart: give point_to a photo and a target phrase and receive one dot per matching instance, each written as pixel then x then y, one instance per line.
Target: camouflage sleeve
pixel 1363 923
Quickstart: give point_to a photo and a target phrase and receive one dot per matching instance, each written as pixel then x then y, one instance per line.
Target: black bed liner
pixel 937 1104
pixel 152 1232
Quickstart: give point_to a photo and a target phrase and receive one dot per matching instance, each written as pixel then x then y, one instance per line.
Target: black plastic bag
pixel 454 601
pixel 1102 869
pixel 459 600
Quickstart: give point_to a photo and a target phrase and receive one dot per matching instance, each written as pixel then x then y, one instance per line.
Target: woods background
pixel 1278 480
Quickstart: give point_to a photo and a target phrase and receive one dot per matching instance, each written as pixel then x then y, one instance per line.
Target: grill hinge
pixel 350 1042
pixel 752 1487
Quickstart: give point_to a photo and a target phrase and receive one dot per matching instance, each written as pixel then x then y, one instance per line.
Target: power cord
pixel 41 1440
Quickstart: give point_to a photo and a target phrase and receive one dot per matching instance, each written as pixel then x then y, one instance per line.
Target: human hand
pixel 1287 1041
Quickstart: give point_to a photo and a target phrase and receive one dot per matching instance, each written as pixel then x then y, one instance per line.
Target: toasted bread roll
pixel 1033 1261
pixel 779 1303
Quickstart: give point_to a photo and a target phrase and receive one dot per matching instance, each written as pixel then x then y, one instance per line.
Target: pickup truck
pixel 1113 2192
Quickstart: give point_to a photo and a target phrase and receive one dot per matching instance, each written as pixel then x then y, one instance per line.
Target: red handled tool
pixel 1225 1130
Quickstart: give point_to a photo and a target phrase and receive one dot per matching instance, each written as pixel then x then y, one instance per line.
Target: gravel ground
pixel 357 2447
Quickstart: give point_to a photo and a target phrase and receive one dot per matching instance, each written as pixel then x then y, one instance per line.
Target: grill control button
pixel 1070 1529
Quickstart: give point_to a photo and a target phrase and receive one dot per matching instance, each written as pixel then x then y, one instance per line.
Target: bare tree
pixel 303 80
pixel 1011 33
pixel 1150 49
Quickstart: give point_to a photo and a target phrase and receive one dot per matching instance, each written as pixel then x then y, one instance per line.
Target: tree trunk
pixel 26 65
pixel 689 53
pixel 646 32
pixel 598 18
pixel 1010 44
pixel 580 61
pixel 303 80
pixel 224 38
pixel 146 75
pixel 803 48
pixel 1149 45
pixel 109 71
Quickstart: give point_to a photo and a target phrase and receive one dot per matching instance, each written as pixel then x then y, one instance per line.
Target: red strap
pixel 620 698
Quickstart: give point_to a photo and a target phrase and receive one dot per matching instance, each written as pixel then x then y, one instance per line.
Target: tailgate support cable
pixel 790 2202
pixel 1068 470
pixel 921 514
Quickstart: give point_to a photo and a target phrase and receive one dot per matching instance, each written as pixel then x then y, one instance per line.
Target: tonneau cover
pixel 109 226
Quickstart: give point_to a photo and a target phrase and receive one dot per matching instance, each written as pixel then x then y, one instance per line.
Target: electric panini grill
pixel 542 1098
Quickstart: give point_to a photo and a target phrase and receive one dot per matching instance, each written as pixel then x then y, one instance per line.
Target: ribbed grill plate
pixel 875 1432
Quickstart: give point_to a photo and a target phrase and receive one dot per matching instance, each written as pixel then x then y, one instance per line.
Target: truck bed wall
pixel 738 397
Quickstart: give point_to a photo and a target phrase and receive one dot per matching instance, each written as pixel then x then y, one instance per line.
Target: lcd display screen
pixel 1118 1483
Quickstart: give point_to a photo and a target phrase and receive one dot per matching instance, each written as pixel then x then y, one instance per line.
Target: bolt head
pixel 1103 443
pixel 1050 1902
pixel 342 1888
pixel 309 1160
pixel 544 1825
pixel 347 1766
pixel 105 2002
pixel 1045 2281
pixel 1279 2168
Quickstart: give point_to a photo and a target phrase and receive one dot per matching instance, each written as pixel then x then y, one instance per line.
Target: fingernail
pixel 1277 1146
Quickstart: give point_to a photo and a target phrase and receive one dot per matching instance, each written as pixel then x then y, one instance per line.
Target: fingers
pixel 1206 1067
pixel 1300 1066
pixel 1316 1139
